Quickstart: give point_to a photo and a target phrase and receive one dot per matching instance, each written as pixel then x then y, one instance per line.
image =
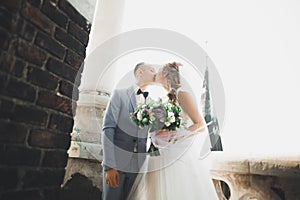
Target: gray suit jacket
pixel 120 135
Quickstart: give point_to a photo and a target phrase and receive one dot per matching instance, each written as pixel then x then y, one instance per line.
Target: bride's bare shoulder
pixel 183 94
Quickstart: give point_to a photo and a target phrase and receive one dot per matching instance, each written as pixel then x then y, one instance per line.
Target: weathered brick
pixel 30 53
pixel 62 123
pixel 52 11
pixel 74 106
pixel 53 193
pixel 38 18
pixel 30 115
pixel 57 159
pixel 69 41
pixel 19 156
pixel 20 23
pixel 35 3
pixel 27 32
pixel 3 82
pixel 12 133
pixel 6 19
pixel 74 59
pixel 16 25
pixel 47 139
pixel 6 108
pixel 42 78
pixel 5 38
pixel 6 61
pixel 11 5
pixel 53 101
pixel 69 90
pixel 44 177
pixel 12 66
pixel 18 67
pixel 61 69
pixel 24 195
pixel 9 178
pixel 79 33
pixel 20 90
pixel 65 6
pixel 78 79
pixel 46 42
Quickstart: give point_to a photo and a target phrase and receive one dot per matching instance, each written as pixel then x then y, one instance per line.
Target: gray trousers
pixel 121 192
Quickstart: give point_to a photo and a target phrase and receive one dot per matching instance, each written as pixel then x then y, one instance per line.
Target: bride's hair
pixel 173 79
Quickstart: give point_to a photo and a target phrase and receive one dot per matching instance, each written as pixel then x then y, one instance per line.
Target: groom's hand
pixel 112 178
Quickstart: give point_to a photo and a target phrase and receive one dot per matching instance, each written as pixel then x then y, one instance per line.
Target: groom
pixel 124 143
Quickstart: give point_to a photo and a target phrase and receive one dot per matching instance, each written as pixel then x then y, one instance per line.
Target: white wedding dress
pixel 180 172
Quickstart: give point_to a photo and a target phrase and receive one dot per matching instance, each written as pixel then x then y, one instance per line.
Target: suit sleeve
pixel 108 131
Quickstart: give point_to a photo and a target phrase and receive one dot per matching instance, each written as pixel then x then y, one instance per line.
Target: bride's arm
pixel 189 107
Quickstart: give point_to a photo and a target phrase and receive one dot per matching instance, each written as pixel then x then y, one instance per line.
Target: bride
pixel 180 172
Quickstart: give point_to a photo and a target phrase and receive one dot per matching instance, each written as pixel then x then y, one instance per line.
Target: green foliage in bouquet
pixel 157 115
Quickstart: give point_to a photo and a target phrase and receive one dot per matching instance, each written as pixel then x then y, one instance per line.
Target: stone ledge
pixel 253 176
pixel 271 165
pixel 93 98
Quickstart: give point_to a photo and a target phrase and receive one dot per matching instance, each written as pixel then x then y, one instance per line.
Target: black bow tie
pixel 145 94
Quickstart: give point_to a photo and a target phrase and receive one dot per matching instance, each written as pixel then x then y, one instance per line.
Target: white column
pixel 107 22
pixel 85 7
pixel 86 145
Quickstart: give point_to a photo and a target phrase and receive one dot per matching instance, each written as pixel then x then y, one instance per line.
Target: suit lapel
pixel 132 98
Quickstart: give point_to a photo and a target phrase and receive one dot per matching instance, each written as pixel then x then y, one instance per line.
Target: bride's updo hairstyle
pixel 171 70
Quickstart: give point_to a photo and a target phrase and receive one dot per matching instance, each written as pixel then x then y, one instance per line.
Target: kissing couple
pixel 128 170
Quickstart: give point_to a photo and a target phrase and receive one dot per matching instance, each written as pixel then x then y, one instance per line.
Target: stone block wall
pixel 42 46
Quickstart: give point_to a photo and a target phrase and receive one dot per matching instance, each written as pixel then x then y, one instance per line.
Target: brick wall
pixel 42 45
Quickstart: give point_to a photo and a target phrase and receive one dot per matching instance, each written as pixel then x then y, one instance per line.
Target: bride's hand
pixel 162 132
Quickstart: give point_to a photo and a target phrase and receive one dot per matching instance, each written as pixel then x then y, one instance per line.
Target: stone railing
pixel 263 177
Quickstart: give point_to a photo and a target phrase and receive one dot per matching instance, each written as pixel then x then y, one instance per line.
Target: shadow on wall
pixel 80 187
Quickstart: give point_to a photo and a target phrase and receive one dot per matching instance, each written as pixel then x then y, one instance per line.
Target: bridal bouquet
pixel 158 115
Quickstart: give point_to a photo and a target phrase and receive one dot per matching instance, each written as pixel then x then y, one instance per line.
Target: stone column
pixel 107 23
pixel 85 151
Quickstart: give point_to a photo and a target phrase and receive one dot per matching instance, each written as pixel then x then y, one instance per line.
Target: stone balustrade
pixel 261 177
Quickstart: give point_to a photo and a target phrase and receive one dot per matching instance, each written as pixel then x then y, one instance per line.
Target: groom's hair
pixel 137 67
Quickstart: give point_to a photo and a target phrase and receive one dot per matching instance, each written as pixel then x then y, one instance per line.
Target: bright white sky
pixel 255 46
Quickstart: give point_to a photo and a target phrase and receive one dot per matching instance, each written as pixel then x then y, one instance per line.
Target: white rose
pixel 172 119
pixel 152 117
pixel 170 114
pixel 167 124
pixel 139 116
